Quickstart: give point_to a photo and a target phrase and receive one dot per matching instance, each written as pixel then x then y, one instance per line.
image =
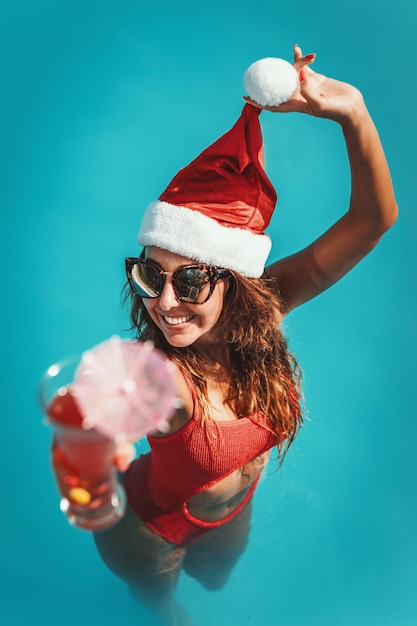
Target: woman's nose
pixel 168 298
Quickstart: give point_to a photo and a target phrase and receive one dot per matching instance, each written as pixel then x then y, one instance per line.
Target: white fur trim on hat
pixel 270 81
pixel 196 236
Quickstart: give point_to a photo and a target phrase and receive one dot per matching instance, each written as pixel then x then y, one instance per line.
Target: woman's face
pixel 183 324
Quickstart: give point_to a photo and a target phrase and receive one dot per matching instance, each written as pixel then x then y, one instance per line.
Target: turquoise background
pixel 101 103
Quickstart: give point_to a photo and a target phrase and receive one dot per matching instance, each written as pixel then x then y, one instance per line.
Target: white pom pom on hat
pixel 271 81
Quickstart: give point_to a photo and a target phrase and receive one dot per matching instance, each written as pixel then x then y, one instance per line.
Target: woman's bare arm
pixel 372 209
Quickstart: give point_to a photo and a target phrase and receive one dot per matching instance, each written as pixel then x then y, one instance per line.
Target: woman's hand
pixel 84 492
pixel 124 455
pixel 318 95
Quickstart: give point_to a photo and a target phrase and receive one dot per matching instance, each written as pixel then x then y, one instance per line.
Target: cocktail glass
pixel 82 457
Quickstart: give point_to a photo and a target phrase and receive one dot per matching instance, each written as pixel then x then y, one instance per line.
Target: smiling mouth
pixel 174 321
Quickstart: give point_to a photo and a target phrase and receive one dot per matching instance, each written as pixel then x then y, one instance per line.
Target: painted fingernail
pixel 301 76
pixel 310 56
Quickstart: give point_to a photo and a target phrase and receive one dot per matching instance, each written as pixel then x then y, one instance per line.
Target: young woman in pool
pixel 200 291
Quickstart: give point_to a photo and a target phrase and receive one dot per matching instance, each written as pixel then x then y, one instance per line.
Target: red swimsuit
pixel 159 484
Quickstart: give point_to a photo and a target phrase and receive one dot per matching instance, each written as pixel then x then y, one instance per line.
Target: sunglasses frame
pixel 214 274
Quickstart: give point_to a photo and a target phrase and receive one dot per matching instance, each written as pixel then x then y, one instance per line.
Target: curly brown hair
pixel 264 378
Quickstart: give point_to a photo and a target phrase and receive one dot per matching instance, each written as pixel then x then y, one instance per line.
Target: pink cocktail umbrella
pixel 125 389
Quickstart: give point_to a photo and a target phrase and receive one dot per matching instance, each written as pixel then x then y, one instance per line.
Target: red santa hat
pixel 216 209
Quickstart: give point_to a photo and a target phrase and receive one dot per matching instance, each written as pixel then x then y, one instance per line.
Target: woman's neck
pixel 216 355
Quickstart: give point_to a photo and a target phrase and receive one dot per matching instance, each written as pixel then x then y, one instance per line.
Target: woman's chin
pixel 179 340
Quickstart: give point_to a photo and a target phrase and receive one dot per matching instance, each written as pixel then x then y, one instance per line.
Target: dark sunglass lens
pixel 192 284
pixel 146 279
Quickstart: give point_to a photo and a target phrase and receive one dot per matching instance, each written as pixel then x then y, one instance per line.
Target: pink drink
pixel 83 463
pixel 116 392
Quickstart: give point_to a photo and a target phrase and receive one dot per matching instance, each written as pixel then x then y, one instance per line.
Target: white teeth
pixel 177 320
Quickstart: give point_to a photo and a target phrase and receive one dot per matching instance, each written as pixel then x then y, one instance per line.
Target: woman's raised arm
pixel 372 209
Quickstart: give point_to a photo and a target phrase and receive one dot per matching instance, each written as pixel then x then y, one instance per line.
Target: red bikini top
pixel 187 462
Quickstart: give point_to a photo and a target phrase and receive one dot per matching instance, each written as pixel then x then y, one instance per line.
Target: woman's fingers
pixel 304 61
pixel 297 102
pixel 316 94
pixel 253 103
pixel 124 455
pixel 297 52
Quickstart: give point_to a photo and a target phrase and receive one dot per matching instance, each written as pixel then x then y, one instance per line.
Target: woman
pixel 199 291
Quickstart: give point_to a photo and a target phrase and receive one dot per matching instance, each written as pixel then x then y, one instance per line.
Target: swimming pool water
pixel 102 103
